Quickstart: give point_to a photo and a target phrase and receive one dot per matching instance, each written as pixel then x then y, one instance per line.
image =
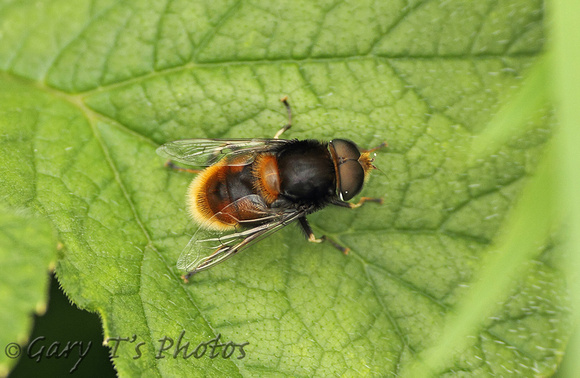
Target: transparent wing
pixel 205 152
pixel 203 253
pixel 206 240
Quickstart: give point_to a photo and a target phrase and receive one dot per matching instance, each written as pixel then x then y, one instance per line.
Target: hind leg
pixel 289 125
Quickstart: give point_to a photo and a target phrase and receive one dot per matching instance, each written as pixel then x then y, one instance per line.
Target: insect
pixel 252 188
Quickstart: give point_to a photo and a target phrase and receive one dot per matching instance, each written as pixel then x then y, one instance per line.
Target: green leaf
pixel 565 91
pixel 27 248
pixel 89 90
pixel 528 227
pixel 509 122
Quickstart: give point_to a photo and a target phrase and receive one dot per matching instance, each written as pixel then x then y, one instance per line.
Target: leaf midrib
pixel 150 244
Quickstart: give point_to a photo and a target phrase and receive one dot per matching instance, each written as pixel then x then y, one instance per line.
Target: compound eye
pixel 345 149
pixel 352 178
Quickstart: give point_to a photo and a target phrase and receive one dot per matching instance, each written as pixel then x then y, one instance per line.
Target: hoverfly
pixel 252 188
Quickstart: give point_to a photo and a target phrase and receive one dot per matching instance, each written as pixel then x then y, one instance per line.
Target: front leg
pixel 311 238
pixel 349 205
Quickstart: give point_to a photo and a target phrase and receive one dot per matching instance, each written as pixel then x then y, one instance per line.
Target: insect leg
pixel 208 261
pixel 187 275
pixel 170 164
pixel 349 205
pixel 289 125
pixel 366 199
pixel 382 145
pixel 311 238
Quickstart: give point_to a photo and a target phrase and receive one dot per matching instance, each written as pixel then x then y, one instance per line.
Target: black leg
pixel 289 125
pixel 311 238
pixel 170 164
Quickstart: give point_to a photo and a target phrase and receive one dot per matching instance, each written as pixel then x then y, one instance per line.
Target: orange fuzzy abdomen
pixel 218 195
pixel 265 172
pixel 210 197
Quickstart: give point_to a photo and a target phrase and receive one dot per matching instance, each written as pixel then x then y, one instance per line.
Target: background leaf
pixel 27 247
pixel 90 89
